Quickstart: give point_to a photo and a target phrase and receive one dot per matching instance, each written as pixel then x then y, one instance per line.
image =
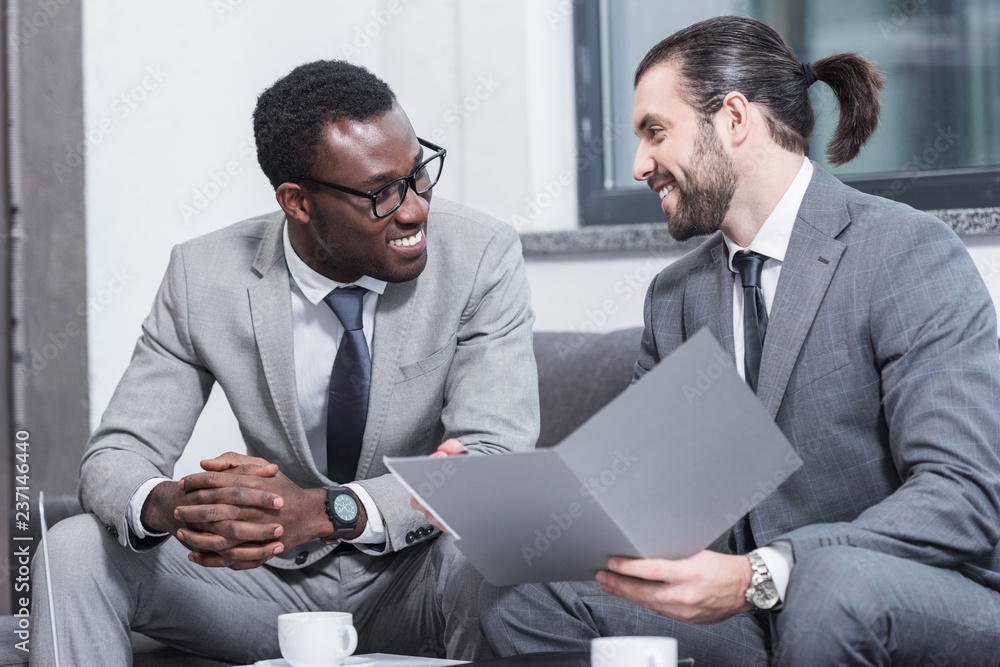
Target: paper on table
pixel 660 472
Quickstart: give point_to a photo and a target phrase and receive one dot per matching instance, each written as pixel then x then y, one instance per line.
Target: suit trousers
pixel 419 601
pixel 843 606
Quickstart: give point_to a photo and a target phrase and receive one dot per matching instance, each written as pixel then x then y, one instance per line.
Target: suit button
pixel 425 531
pixel 410 537
pixel 301 558
pixel 112 531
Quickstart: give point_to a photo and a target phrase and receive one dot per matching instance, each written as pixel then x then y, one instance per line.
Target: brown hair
pixel 732 53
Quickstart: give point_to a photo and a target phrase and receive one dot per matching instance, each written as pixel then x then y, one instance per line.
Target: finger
pixel 238 558
pixel 257 503
pixel 238 531
pixel 651 569
pixel 203 541
pixel 450 447
pixel 234 460
pixel 645 593
pixel 212 513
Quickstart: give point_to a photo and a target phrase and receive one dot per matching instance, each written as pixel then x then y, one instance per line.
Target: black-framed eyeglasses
pixel 390 196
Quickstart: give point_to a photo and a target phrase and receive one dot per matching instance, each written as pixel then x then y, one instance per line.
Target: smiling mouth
pixel 665 191
pixel 409 240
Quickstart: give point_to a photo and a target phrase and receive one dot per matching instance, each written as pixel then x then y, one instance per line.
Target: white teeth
pixel 665 191
pixel 408 241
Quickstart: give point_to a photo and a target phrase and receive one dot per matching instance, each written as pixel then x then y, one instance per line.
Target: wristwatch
pixel 762 594
pixel 342 508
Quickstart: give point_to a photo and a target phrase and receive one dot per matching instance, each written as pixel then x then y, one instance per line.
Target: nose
pixel 414 209
pixel 643 167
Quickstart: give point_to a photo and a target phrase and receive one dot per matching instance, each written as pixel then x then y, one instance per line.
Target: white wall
pixel 170 86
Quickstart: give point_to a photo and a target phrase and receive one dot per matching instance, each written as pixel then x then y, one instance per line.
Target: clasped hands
pixel 239 513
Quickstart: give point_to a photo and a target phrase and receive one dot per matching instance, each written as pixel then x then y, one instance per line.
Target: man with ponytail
pixel 864 328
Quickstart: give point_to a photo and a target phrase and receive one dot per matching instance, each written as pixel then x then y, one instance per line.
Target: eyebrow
pixel 387 176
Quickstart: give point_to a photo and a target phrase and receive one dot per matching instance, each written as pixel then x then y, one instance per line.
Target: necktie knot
pixel 346 304
pixel 749 264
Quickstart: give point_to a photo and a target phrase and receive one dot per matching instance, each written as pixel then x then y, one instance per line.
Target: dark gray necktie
pixel 749 264
pixel 347 410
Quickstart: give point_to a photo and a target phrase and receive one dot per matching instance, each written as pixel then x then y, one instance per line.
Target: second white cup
pixel 316 638
pixel 633 652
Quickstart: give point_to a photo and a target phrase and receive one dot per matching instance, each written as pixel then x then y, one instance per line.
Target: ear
pixel 735 118
pixel 295 201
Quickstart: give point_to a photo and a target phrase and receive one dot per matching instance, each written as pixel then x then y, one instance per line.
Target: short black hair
pixel 291 114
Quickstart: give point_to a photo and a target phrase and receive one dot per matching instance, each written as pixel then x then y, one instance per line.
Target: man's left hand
pixel 706 588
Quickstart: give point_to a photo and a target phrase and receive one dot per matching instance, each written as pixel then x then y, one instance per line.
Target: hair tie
pixel 810 74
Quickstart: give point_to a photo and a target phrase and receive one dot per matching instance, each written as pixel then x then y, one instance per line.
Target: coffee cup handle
pixel 352 638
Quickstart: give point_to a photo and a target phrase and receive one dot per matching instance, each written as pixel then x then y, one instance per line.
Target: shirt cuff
pixel 374 530
pixel 133 513
pixel 779 559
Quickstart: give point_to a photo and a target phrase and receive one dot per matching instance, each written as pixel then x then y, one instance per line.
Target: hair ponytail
pixel 856 83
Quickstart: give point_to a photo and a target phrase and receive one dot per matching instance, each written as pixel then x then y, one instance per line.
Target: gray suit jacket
pixel 880 366
pixel 452 357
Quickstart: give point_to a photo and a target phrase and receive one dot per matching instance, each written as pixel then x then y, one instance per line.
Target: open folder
pixel 660 472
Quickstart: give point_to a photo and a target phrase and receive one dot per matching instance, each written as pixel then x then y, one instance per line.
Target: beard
pixel 710 184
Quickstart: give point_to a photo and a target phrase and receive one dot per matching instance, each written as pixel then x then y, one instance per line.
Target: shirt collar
pixel 773 236
pixel 315 286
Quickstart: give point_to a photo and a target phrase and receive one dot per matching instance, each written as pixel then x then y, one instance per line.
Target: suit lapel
pixel 810 263
pixel 708 299
pixel 271 314
pixel 393 315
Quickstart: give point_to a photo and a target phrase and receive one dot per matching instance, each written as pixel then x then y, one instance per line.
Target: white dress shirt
pixel 771 240
pixel 316 334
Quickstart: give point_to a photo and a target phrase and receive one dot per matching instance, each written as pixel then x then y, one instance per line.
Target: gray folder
pixel 659 472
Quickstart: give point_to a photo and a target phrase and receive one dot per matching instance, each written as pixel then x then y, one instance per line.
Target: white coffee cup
pixel 633 652
pixel 316 638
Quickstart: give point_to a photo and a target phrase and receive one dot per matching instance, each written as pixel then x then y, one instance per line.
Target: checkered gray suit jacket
pixel 880 366
pixel 452 357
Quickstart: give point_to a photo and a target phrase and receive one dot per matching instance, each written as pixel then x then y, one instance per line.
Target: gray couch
pixel 578 374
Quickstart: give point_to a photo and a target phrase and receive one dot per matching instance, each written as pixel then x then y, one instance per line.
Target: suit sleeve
pixel 152 412
pixel 934 341
pixel 491 391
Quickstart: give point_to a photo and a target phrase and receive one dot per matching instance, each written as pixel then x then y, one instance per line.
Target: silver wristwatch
pixel 762 594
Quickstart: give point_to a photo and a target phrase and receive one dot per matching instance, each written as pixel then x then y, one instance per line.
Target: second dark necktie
pixel 750 264
pixel 347 410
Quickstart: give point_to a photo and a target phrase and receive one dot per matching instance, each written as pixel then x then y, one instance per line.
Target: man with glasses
pixel 360 321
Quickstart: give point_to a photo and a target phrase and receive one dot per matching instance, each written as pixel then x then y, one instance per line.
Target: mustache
pixel 659 178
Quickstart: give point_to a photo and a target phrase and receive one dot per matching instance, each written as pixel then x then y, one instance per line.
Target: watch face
pixel 765 595
pixel 345 507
